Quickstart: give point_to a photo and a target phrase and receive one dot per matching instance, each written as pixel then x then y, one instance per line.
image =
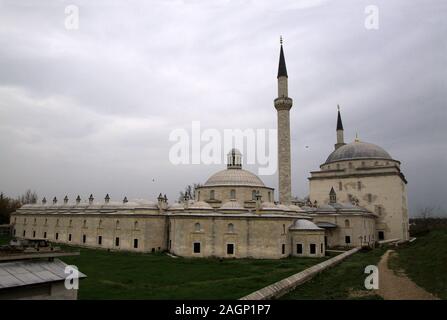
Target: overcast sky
pixel 90 110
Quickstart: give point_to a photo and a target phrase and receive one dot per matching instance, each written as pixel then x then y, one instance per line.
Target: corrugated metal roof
pixel 27 272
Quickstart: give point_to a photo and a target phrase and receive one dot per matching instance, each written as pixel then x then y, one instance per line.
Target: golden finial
pixel 280 40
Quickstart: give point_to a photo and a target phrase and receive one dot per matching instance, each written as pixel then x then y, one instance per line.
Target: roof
pixel 324 224
pixel 22 273
pixel 339 123
pixel 358 150
pixel 282 70
pixel 301 224
pixel 234 177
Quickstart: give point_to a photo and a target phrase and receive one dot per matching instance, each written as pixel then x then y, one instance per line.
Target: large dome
pixel 358 150
pixel 234 177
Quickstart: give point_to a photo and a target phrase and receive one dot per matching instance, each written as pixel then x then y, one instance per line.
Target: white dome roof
pixel 302 224
pixel 234 177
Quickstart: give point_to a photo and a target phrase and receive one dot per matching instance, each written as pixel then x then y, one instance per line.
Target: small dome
pixel 234 177
pixel 231 205
pixel 268 206
pixel 358 150
pixel 302 224
pixel 198 205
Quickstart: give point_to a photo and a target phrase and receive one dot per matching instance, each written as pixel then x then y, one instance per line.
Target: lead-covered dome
pixel 234 177
pixel 358 150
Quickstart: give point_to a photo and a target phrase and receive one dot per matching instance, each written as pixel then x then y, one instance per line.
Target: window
pixel 44 235
pixel 100 223
pixel 196 247
pixel 230 228
pixel 350 165
pixel 117 224
pixel 379 210
pixel 369 197
pixel 100 240
pixel 135 225
pixel 135 243
pixel 233 194
pixel 363 163
pixel 313 248
pixel 283 229
pixel 35 221
pixel 117 242
pixel 347 223
pixel 359 185
pixel 283 248
pixel 347 239
pixel 70 222
pixel 24 232
pixel 376 163
pixel 57 236
pixel 340 186
pixel 211 194
pixel 57 222
pixel 14 232
pixel 299 248
pixel 381 235
pixel 69 237
pixel 34 234
pixel 230 248
pixel 338 166
pixel 270 196
pixel 24 221
pixel 84 224
pixel 46 220
pixel 197 227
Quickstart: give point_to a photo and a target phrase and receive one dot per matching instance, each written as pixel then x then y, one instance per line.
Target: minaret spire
pixel 283 104
pixel 340 136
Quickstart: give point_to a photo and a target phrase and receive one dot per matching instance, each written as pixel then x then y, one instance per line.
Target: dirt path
pixel 398 287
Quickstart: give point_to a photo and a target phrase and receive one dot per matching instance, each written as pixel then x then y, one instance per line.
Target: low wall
pixel 286 285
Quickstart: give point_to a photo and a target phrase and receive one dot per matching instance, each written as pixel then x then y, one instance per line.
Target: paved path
pixel 398 287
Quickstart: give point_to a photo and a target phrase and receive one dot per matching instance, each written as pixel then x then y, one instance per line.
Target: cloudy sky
pixel 90 110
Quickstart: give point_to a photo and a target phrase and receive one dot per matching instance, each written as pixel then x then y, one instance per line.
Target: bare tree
pixel 190 191
pixel 29 197
pixel 426 213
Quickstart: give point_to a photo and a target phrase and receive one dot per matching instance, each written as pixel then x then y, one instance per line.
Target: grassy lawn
pixel 425 262
pixel 344 281
pixel 125 275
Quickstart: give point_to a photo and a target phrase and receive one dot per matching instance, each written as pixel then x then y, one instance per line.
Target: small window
pixel 57 222
pixel 338 166
pixel 117 224
pixel 44 235
pixel 135 243
pixel 350 165
pixel 283 229
pixel 379 210
pixel 369 197
pixel 100 223
pixel 230 248
pixel 340 186
pixel 70 222
pixel 363 163
pixel 34 234
pixel 230 228
pixel 299 248
pixel 46 221
pixel 196 247
pixel 253 195
pixel 381 235
pixel 270 196
pixel 84 238
pixel 117 242
pixel 57 236
pixel 69 237
pixel 84 224
pixel 24 221
pixel 197 227
pixel 233 194
pixel 211 194
pixel 283 248
pixel 376 163
pixel 359 185
pixel 347 239
pixel 100 240
pixel 24 232
pixel 347 223
pixel 153 250
pixel 135 225
pixel 313 248
pixel 35 221
pixel 14 232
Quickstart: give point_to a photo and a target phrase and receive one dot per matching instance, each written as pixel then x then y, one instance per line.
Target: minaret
pixel 340 138
pixel 283 104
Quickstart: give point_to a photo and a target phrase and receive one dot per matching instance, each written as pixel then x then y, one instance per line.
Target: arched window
pixel 253 195
pixel 233 194
pixel 34 220
pixel 283 229
pixel 57 222
pixel 100 223
pixel 85 224
pixel 230 228
pixel 117 224
pixel 135 225
pixel 340 186
pixel 347 223
pixel 70 222
pixel 211 194
pixel 197 227
pixel 46 221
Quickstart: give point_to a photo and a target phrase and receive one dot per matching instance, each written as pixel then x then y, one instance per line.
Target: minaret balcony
pixel 283 103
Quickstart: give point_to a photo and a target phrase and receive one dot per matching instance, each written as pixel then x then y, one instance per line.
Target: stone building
pixel 357 198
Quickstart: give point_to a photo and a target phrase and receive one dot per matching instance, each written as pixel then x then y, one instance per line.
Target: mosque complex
pixel 357 198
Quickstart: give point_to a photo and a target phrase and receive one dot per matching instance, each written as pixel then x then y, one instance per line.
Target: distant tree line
pixel 428 218
pixel 9 205
pixel 190 191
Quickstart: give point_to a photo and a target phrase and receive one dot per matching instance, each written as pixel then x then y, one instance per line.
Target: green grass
pixel 344 281
pixel 125 275
pixel 425 262
pixel 4 239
